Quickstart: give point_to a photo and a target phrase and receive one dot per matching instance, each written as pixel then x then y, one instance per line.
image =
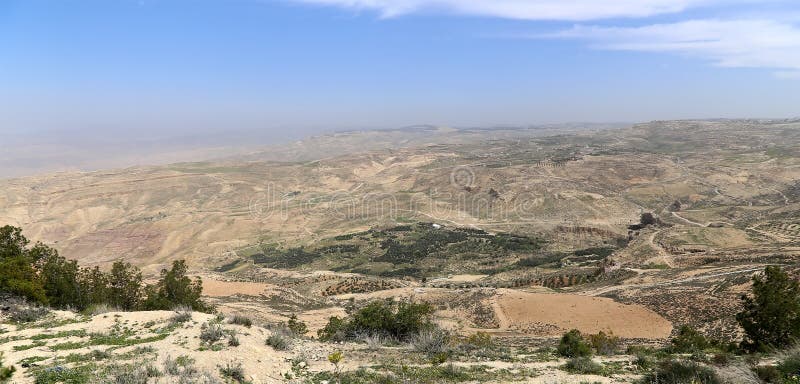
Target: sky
pixel 289 68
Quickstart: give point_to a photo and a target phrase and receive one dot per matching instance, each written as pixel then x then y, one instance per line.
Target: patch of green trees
pixel 771 315
pixel 39 274
pixel 387 318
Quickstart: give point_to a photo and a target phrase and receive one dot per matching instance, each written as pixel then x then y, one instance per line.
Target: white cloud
pixel 727 43
pixel 526 9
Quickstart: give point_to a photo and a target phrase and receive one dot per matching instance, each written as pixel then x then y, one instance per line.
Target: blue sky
pixel 293 67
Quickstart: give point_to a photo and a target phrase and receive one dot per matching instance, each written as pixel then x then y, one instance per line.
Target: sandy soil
pixel 588 314
pixel 217 288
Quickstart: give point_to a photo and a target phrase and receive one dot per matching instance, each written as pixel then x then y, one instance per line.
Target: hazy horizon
pixel 88 82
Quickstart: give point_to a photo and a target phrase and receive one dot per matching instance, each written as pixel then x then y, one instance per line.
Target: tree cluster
pixel 396 320
pixel 39 274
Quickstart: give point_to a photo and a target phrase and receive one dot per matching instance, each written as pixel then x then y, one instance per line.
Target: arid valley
pixel 518 234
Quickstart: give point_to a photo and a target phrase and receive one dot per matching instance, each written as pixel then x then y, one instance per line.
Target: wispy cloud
pixel 759 37
pixel 727 43
pixel 571 10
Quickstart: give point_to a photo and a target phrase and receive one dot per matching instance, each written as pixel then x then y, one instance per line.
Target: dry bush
pixel 604 343
pixel 279 342
pixel 431 342
pixel 737 374
pixel 211 333
pixel 583 365
pixel 241 320
pixel 374 341
pixel 182 314
pixel 233 340
pixel 479 340
pixel 180 366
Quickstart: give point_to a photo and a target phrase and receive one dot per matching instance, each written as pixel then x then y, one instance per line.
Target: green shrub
pixel 688 340
pixel 790 364
pixel 583 365
pixel 604 343
pixel 681 372
pixel 125 286
pixel 61 280
pixel 771 316
pixel 59 374
pixel 643 361
pixel 5 372
pixel 769 374
pixel 20 277
pixel 572 344
pixel 439 358
pixel 334 330
pixel 297 327
pixel 174 288
pixel 401 321
pixel 233 372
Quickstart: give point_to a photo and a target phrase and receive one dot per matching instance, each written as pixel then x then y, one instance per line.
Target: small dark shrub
pixel 769 374
pixel 233 372
pixel 721 358
pixel 23 313
pixel 5 372
pixel 790 364
pixel 241 320
pixel 97 354
pixel 478 340
pixel 604 343
pixel 233 340
pixel 688 340
pixel 335 330
pixel 297 327
pixel 439 358
pixel 572 344
pixel 643 361
pixel 152 371
pixel 647 218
